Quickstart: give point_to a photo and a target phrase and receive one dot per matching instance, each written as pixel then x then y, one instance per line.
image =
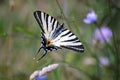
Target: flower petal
pixel 103 34
pixel 91 17
pixel 87 21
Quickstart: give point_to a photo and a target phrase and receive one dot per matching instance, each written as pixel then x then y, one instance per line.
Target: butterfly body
pixel 47 44
pixel 55 36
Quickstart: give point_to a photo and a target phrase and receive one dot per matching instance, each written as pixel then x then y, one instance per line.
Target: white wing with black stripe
pixel 55 32
pixel 47 23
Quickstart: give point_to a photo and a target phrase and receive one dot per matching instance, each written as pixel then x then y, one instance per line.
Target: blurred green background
pixel 20 38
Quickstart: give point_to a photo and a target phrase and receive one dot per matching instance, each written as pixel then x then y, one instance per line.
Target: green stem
pixel 117 56
pixel 62 13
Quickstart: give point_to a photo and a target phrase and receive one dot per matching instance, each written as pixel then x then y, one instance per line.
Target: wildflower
pixel 104 61
pixel 90 18
pixel 44 77
pixel 103 34
pixel 39 73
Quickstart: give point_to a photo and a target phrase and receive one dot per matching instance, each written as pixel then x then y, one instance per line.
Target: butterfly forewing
pixel 60 36
pixel 47 23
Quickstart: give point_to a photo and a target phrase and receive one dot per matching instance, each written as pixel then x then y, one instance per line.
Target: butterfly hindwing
pixel 68 40
pixel 60 36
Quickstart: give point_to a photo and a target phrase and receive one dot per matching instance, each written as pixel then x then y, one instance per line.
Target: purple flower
pixel 104 61
pixel 103 34
pixel 38 74
pixel 90 18
pixel 44 77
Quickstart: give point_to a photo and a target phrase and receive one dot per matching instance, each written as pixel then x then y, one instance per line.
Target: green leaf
pixel 26 31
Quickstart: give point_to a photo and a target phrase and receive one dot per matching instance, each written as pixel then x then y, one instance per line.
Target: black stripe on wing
pixel 37 15
pixel 70 41
pixel 78 48
pixel 58 30
pixel 70 34
pixel 45 21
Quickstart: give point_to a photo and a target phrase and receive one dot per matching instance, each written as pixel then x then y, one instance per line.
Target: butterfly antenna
pixel 42 55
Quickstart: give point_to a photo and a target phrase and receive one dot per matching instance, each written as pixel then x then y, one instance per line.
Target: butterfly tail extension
pixel 38 51
pixel 42 55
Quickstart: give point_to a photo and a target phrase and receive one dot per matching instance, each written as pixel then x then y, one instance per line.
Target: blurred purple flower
pixel 103 34
pixel 38 74
pixel 90 18
pixel 44 77
pixel 104 61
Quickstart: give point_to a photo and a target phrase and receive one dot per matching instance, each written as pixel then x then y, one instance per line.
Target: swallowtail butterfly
pixel 55 36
